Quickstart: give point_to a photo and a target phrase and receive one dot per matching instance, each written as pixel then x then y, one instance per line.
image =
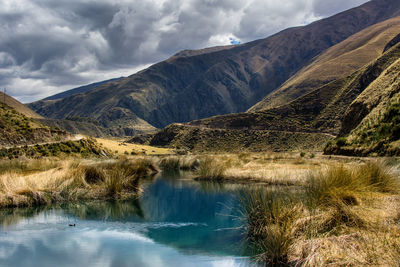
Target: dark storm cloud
pixel 48 46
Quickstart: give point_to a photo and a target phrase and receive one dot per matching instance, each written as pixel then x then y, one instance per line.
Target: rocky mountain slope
pixel 198 84
pixel 79 90
pixel 125 126
pixel 337 62
pixel 371 125
pixel 308 121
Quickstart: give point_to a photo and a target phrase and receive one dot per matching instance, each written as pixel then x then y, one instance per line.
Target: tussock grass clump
pixel 74 181
pixel 122 176
pixel 176 163
pixel 94 175
pixel 379 176
pixel 211 169
pixel 189 163
pixel 335 186
pixel 270 218
pixel 115 182
pixel 328 220
pixel 170 163
pixel 347 186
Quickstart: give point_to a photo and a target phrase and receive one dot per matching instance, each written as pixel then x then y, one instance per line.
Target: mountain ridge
pixel 326 110
pixel 336 62
pixel 198 84
pixel 80 89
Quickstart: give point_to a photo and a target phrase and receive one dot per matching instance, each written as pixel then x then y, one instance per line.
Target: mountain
pixel 79 90
pixel 91 127
pixel 78 125
pixel 337 62
pixel 221 80
pixel 309 121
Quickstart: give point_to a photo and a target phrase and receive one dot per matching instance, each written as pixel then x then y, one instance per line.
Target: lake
pixel 175 222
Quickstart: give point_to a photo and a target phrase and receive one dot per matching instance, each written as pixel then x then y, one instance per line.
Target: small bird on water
pixel 71 224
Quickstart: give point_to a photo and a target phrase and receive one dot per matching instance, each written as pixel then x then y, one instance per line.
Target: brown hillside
pixel 371 124
pixel 337 62
pixel 18 106
pixel 199 84
pixel 319 112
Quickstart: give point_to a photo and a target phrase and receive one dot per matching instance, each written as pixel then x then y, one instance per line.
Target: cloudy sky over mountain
pixel 48 46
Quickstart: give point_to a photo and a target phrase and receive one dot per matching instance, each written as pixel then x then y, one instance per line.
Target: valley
pixel 282 151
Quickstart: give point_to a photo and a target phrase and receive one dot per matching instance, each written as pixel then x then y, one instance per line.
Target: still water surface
pixel 176 222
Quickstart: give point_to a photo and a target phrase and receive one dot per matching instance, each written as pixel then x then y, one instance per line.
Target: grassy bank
pixel 320 211
pixel 340 217
pixel 44 181
pixel 266 168
pixel 123 148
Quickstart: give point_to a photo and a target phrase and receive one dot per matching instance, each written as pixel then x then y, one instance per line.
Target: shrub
pixel 341 141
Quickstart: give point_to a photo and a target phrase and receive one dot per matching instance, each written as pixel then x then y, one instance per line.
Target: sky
pixel 49 46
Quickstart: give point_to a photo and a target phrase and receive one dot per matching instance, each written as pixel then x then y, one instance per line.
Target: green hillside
pixel 18 129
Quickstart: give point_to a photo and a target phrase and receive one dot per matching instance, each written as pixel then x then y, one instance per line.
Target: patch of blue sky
pixel 234 41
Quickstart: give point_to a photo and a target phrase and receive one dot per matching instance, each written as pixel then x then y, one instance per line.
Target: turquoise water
pixel 176 222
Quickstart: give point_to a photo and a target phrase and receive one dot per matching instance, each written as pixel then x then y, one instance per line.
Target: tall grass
pixel 74 181
pixel 125 176
pixel 336 203
pixel 270 218
pixel 176 163
pixel 347 186
pixel 27 165
pixel 335 185
pixel 379 176
pixel 171 163
pixel 210 168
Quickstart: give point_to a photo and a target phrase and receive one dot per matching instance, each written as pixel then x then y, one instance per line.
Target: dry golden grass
pixel 73 180
pixel 177 163
pixel 123 148
pixel 342 211
pixel 273 168
pixel 345 215
pixel 363 248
